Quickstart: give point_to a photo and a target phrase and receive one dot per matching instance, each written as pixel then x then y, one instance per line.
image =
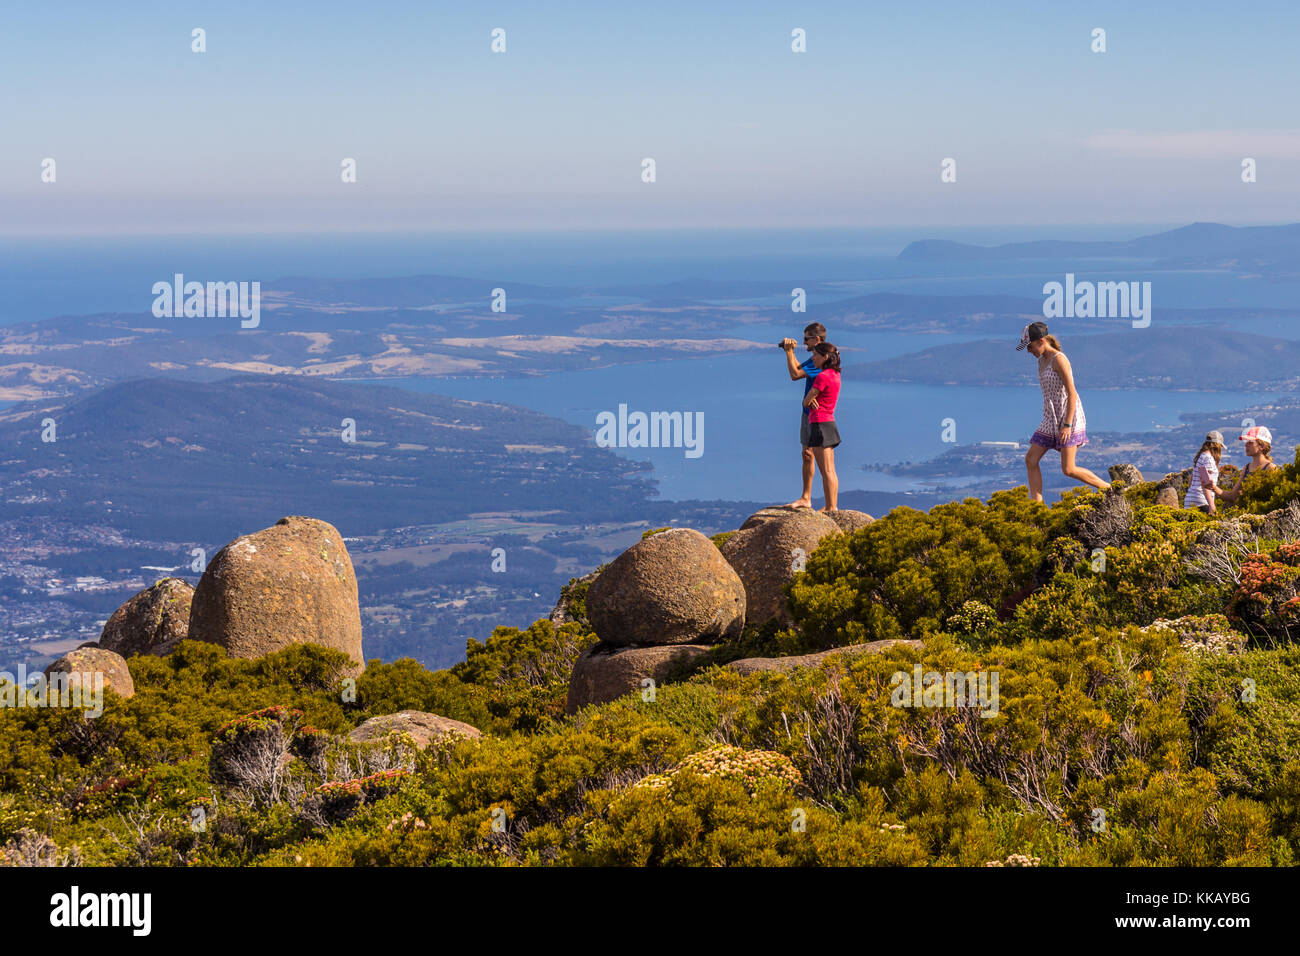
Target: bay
pixel 751 427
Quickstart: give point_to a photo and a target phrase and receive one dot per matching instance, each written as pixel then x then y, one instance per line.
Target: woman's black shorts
pixel 823 435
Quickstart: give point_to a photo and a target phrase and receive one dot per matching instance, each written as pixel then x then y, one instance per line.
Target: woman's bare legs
pixel 830 481
pixel 1071 470
pixel 1032 458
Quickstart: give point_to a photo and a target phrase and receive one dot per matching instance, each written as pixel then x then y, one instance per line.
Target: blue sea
pixel 751 419
pixel 751 428
pixel 45 277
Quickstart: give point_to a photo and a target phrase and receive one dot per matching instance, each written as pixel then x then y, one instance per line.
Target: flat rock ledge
pixel 753 665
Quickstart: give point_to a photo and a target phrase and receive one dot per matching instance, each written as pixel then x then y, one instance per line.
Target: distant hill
pixel 406 291
pixel 192 459
pixel 1189 357
pixel 1203 241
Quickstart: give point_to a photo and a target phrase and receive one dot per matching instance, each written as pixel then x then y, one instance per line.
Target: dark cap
pixel 1032 333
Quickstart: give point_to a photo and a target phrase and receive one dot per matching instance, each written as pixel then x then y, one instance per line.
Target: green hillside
pixel 1147 713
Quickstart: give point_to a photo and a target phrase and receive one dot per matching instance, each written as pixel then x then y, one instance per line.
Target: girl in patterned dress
pixel 1064 427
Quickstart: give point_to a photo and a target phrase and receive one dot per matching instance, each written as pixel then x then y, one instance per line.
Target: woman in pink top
pixel 823 436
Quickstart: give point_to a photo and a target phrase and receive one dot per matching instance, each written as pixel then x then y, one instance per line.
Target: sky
pixel 149 137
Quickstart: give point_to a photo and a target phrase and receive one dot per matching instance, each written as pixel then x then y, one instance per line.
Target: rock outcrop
pixel 423 727
pixel 660 605
pixel 90 661
pixel 753 665
pixel 768 550
pixel 849 521
pixel 154 621
pixel 291 583
pixel 605 672
pixel 1126 473
pixel 1169 489
pixel 565 611
pixel 673 587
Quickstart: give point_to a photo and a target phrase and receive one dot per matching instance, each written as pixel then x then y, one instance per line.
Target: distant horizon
pixel 1130 228
pixel 46 276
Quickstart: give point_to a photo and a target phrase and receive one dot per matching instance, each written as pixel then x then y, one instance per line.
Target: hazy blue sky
pixel 149 136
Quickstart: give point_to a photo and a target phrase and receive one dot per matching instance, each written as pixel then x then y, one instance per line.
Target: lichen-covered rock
pixel 423 727
pixel 291 583
pixel 770 548
pixel 90 661
pixel 673 587
pixel 1169 489
pixel 1126 473
pixel 849 521
pixel 572 603
pixel 753 665
pixel 605 672
pixel 154 621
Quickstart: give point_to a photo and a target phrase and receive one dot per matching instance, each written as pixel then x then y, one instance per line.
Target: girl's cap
pixel 1257 434
pixel 1031 333
pixel 1216 437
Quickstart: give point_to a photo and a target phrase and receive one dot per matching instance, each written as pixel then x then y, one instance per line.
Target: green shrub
pixel 1266 491
pixel 905 575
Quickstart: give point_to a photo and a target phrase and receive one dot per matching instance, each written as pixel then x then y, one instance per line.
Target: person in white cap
pixel 1204 488
pixel 1259 447
pixel 1063 427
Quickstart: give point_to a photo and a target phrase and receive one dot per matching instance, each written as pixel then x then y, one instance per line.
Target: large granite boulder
pixel 768 551
pixel 670 588
pixel 89 661
pixel 605 672
pixel 154 621
pixel 291 583
pixel 423 727
pixel 753 665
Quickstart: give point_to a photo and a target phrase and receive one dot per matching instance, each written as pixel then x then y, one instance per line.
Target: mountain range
pixel 1273 248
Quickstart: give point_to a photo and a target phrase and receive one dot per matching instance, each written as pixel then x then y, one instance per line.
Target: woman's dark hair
pixel 830 353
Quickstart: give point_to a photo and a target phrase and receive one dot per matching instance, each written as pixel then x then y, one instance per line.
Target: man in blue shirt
pixel 813 334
